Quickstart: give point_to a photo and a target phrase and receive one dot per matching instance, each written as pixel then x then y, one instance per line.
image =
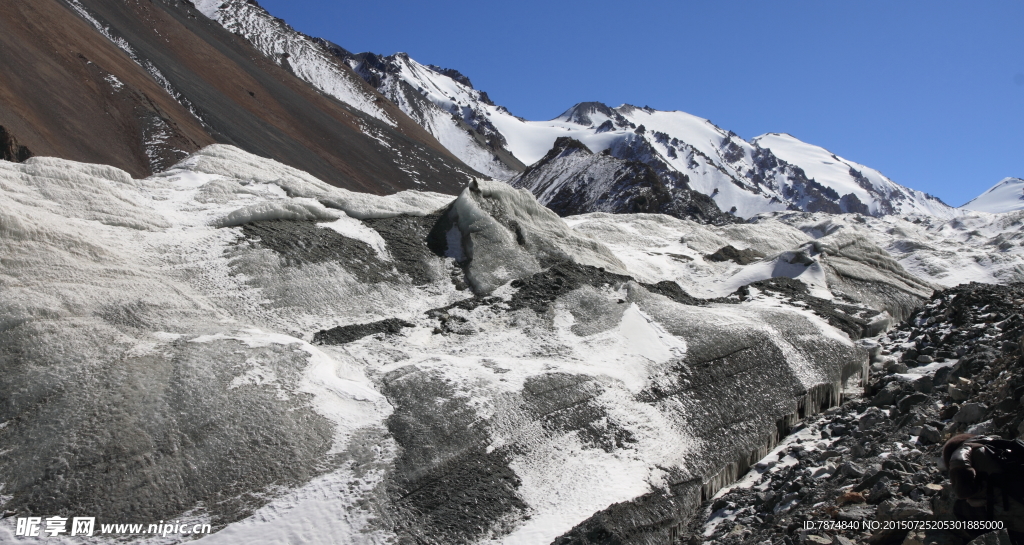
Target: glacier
pixel 160 358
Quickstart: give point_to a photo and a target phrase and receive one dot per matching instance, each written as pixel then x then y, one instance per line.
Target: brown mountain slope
pixel 68 90
pixel 58 95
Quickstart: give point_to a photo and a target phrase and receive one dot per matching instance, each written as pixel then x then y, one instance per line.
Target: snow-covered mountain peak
pixel 592 114
pixel 1005 196
pixel 565 146
pixel 878 193
pixel 773 172
pixel 444 102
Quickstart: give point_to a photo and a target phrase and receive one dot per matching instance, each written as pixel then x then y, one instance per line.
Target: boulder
pixel 887 395
pixel 851 470
pixel 958 393
pixel 904 510
pixel 858 513
pixel 907 402
pixel 894 366
pixel 850 497
pixel 929 436
pixel 970 413
pixel 871 480
pixel 999 537
pixel 941 376
pixel 880 492
pixel 872 417
pixel 949 411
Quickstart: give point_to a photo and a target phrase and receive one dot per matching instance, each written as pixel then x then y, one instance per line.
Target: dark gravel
pixel 348 333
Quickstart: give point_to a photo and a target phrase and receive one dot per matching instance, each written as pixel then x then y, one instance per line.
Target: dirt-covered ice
pixel 235 341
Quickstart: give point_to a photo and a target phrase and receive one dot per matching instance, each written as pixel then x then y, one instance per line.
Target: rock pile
pixel 954 366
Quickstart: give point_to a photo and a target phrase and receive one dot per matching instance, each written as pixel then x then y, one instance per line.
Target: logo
pixel 54 526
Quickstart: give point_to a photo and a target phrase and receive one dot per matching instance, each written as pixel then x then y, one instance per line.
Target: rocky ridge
pixel 425 94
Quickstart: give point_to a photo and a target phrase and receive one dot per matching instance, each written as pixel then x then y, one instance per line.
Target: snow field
pixel 1005 196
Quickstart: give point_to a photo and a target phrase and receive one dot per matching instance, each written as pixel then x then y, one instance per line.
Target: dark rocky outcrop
pixel 300 243
pixel 580 114
pixel 382 73
pixel 857 321
pixel 10 149
pixel 348 333
pixel 570 179
pixel 745 256
pixel 407 241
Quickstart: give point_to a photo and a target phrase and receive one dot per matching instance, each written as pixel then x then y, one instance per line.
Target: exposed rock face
pixel 745 256
pixel 572 180
pixel 10 149
pixel 347 334
pixel 140 85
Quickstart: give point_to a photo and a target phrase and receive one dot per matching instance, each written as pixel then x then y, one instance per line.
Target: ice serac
pixel 571 180
pixel 972 247
pixel 1006 196
pixel 501 234
pixel 735 380
pixel 861 271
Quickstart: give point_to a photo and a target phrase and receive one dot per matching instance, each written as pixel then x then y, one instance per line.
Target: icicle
pixel 817 399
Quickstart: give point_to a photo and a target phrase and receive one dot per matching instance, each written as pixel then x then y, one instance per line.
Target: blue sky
pixel 929 93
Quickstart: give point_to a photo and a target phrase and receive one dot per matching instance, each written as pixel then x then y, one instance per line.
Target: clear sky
pixel 929 93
